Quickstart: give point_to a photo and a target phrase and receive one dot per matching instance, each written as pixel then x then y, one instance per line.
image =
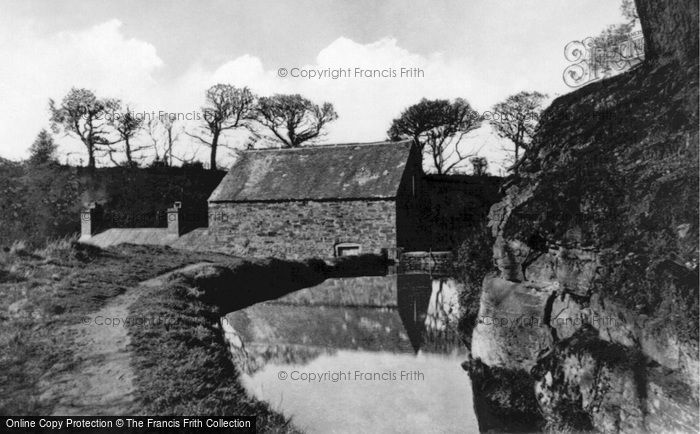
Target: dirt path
pixel 102 381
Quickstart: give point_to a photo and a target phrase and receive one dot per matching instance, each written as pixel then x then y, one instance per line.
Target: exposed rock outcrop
pixel 595 297
pixel 589 383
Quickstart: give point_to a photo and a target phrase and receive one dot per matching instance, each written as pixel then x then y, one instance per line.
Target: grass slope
pixel 44 292
pixel 182 362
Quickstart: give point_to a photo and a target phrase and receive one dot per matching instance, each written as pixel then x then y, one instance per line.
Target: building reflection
pixel 407 313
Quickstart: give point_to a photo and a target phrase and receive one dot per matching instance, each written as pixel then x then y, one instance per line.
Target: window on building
pixel 347 249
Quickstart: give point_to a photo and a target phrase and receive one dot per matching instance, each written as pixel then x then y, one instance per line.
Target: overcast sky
pixel 162 55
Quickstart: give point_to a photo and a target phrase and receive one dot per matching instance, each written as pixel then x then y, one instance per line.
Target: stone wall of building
pixel 302 229
pixel 440 263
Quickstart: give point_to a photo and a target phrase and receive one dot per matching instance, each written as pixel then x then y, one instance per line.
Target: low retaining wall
pixel 433 262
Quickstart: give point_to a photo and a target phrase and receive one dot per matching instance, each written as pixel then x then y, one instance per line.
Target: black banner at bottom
pixel 133 424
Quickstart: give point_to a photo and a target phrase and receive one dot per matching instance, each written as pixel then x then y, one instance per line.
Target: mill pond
pixel 361 354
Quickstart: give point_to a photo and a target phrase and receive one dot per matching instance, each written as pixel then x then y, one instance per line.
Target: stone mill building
pixel 319 201
pixel 322 201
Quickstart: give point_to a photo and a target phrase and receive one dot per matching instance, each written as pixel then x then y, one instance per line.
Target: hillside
pixel 43 203
pixel 596 245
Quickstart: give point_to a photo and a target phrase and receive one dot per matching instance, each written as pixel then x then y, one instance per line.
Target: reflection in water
pixel 387 326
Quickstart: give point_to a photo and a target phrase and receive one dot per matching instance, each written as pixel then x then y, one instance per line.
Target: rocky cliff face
pixel 594 305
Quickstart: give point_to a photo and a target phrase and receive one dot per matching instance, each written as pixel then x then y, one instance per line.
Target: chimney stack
pixel 90 220
pixel 175 223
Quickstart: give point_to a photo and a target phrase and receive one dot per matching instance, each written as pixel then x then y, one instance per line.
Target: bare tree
pixel 293 119
pixel 516 119
pixel 614 50
pixel 163 132
pixel 438 127
pixel 171 136
pixel 84 116
pixel 153 129
pixel 480 166
pixel 227 107
pixel 615 33
pixel 127 125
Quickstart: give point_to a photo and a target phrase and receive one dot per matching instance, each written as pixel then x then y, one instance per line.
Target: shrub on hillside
pixel 474 261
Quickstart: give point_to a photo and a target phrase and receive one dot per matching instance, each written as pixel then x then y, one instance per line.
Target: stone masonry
pixel 295 229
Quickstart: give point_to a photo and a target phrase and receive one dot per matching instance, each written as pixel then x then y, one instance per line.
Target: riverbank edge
pixel 181 359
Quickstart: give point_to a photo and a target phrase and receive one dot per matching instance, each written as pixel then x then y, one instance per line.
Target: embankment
pixel 182 362
pixel 135 329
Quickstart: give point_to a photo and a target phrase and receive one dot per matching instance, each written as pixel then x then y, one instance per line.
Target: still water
pixel 364 354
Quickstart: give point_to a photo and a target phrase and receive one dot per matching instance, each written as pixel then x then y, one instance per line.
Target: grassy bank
pixel 182 362
pixel 47 293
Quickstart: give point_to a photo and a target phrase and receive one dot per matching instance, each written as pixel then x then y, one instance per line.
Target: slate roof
pixel 348 171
